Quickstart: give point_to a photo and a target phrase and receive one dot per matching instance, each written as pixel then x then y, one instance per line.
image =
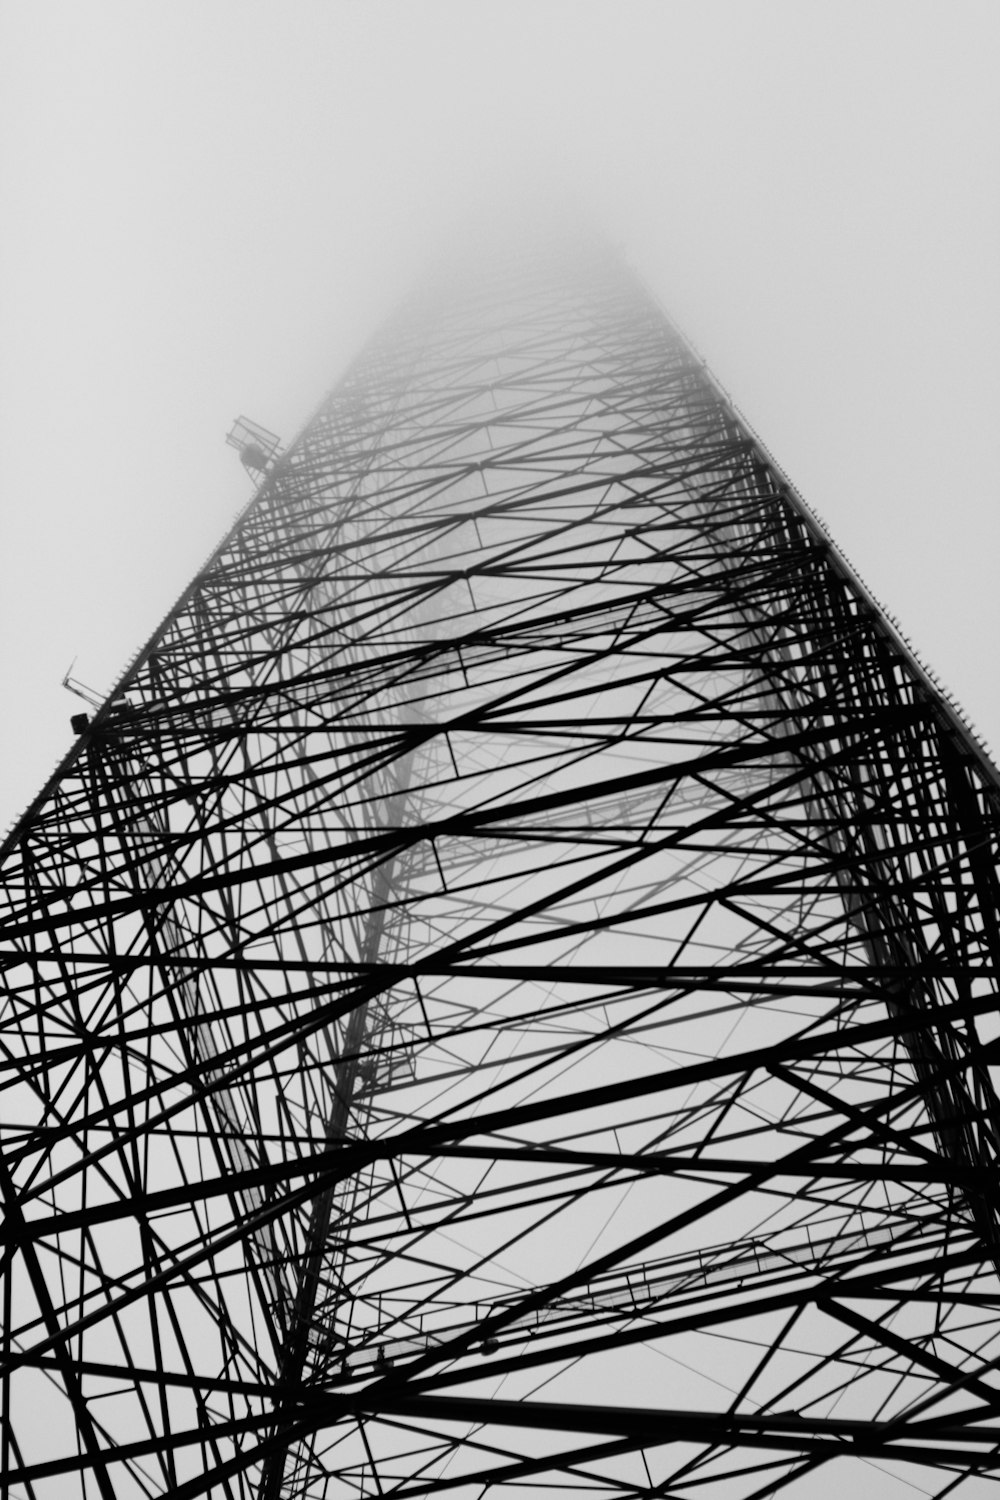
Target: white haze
pixel 209 207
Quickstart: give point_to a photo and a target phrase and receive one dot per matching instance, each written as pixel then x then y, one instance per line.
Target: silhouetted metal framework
pixel 504 993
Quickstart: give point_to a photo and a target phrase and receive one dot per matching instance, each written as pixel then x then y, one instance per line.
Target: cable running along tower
pixel 503 995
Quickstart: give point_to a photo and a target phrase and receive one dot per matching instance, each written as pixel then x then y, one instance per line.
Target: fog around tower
pixel 209 209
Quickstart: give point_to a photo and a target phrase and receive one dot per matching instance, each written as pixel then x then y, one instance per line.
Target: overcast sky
pixel 208 207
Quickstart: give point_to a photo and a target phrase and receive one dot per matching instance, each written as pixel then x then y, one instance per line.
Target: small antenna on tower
pixel 80 688
pixel 80 722
pixel 257 447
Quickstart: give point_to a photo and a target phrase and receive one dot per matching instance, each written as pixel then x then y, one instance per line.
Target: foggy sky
pixel 208 208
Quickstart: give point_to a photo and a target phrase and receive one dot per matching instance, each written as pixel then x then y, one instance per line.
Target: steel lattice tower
pixel 503 993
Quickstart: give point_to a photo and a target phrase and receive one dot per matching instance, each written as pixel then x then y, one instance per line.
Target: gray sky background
pixel 208 207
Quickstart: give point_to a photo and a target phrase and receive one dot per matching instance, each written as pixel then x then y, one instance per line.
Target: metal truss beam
pixel 504 992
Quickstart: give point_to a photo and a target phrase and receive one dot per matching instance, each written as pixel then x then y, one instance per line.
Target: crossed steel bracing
pixel 504 993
